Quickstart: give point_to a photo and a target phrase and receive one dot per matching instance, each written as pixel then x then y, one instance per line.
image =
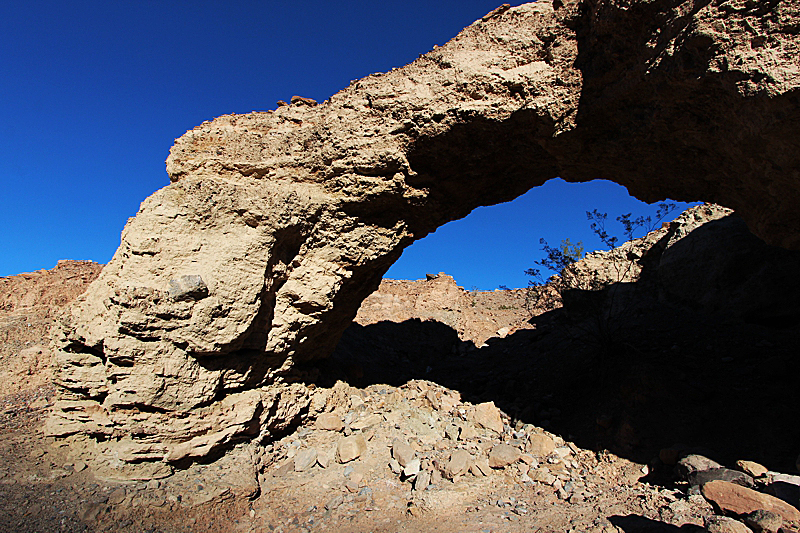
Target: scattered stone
pixel 452 431
pixel 367 422
pixel 90 511
pixel 394 466
pixel 542 475
pixel 751 468
pixel 412 468
pixel 694 463
pixel 468 433
pixel 738 500
pixel 483 466
pixel 422 480
pixel 38 403
pixel 305 459
pixel 334 502
pixel 488 416
pixel 329 422
pixel 503 455
pixel 724 524
pixel 458 464
pixel 79 466
pixel 761 521
pixel 721 474
pixel 540 445
pixel 117 496
pixel 402 452
pixel 350 448
pixel 325 458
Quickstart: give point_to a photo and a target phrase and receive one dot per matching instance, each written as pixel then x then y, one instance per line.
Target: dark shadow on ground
pixel 684 371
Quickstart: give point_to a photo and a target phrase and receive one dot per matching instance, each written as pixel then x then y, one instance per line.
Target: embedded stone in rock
pixel 187 288
pixel 738 500
pixel 487 416
pixel 503 455
pixel 283 214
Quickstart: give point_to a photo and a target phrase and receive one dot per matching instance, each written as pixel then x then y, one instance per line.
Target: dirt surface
pixel 43 488
pixel 528 431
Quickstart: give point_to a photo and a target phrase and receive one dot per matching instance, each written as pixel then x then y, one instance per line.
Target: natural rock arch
pixel 277 225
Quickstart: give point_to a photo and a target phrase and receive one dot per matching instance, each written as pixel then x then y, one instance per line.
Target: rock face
pixel 29 304
pixel 475 315
pixel 278 224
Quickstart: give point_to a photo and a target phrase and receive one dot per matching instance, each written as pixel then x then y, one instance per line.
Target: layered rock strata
pixel 278 224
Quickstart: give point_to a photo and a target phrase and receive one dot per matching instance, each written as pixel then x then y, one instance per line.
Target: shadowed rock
pixel 278 224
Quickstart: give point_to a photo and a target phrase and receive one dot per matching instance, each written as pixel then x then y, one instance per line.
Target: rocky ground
pixel 449 410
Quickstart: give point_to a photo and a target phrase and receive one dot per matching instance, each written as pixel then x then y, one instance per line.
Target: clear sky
pixel 93 94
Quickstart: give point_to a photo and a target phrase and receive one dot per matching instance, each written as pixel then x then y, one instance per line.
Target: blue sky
pixel 93 94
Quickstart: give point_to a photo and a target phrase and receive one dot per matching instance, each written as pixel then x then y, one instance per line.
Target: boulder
pixel 503 455
pixel 721 474
pixel 459 463
pixel 487 416
pixel 694 463
pixel 540 445
pixel 329 422
pixel 350 448
pixel 752 468
pixel 402 452
pixel 738 500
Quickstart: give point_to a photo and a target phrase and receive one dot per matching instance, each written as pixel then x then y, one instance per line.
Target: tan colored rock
pixel 305 459
pixel 227 278
pixel 751 468
pixel 459 463
pixel 487 416
pixel 350 448
pixel 503 455
pixel 402 452
pixel 738 500
pixel 540 445
pixel 329 422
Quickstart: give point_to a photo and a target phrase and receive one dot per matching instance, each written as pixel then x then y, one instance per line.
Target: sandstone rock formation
pixel 278 224
pixel 475 315
pixel 29 304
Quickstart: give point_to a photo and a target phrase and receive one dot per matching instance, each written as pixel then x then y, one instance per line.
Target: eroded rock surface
pixel 278 224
